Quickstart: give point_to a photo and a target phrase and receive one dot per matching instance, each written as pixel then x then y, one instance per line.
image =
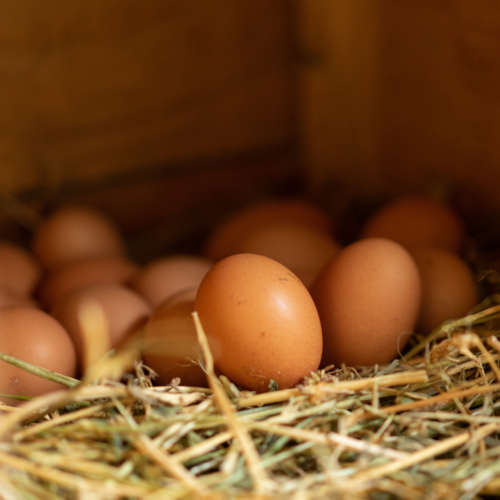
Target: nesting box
pixel 166 114
pixel 152 110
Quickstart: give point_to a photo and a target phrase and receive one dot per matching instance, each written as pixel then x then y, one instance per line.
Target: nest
pixel 417 428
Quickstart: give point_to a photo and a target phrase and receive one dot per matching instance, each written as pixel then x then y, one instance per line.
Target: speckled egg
pixel 262 320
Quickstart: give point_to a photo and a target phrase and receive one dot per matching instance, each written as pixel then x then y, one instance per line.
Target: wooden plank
pixel 160 213
pixel 401 96
pixel 442 99
pixel 340 93
pixel 92 89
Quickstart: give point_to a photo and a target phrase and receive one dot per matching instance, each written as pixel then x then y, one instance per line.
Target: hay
pixel 419 428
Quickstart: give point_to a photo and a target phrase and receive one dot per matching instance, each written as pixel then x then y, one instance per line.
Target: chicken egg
pixel 171 343
pixel 83 272
pixel 368 299
pixel 19 269
pixel 417 221
pixel 164 277
pixel 35 337
pixel 124 311
pixel 74 232
pixel 449 290
pixel 225 239
pixel 261 320
pixel 10 298
pixel 303 249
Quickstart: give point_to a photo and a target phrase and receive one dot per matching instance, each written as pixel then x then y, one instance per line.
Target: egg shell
pixel 35 337
pixel 185 295
pixel 263 320
pixel 83 272
pixel 225 239
pixel 171 344
pixel 19 269
pixel 75 232
pixel 449 290
pixel 417 221
pixel 125 312
pixel 303 249
pixel 367 297
pixel 10 298
pixel 166 276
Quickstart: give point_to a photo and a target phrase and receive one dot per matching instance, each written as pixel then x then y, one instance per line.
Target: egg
pixel 163 277
pixel 19 269
pixel 303 249
pixel 83 272
pixel 10 298
pixel 225 239
pixel 184 295
pixel 449 289
pixel 261 320
pixel 171 343
pixel 124 310
pixel 75 232
pixel 417 221
pixel 35 337
pixel 368 298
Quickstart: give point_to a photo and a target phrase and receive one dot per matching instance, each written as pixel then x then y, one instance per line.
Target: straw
pixel 395 431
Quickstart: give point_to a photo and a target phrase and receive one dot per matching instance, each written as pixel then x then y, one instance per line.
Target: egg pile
pixel 277 295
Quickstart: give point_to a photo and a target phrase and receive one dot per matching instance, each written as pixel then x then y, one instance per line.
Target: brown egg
pixel 19 270
pixel 449 290
pixel 74 232
pixel 35 337
pixel 185 295
pixel 171 344
pixel 86 271
pixel 166 276
pixel 225 240
pixel 261 319
pixel 417 221
pixel 303 249
pixel 10 298
pixel 124 310
pixel 367 297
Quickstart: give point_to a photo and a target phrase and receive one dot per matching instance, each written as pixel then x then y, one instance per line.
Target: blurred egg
pixel 10 298
pixel 35 337
pixel 19 270
pixel 449 290
pixel 303 249
pixel 185 295
pixel 417 221
pixel 75 232
pixel 83 272
pixel 166 276
pixel 367 297
pixel 124 311
pixel 261 319
pixel 171 343
pixel 224 240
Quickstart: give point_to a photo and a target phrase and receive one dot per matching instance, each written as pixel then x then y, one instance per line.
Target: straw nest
pixel 424 427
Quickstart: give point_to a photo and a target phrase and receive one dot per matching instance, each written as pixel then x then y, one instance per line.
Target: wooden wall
pixel 442 93
pixel 392 95
pixel 401 96
pixel 94 90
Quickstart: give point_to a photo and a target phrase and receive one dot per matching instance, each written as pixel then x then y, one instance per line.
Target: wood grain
pixel 340 92
pixel 442 99
pixel 401 96
pixel 89 90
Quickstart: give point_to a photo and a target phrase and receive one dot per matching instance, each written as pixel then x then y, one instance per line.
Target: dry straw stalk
pixel 424 428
